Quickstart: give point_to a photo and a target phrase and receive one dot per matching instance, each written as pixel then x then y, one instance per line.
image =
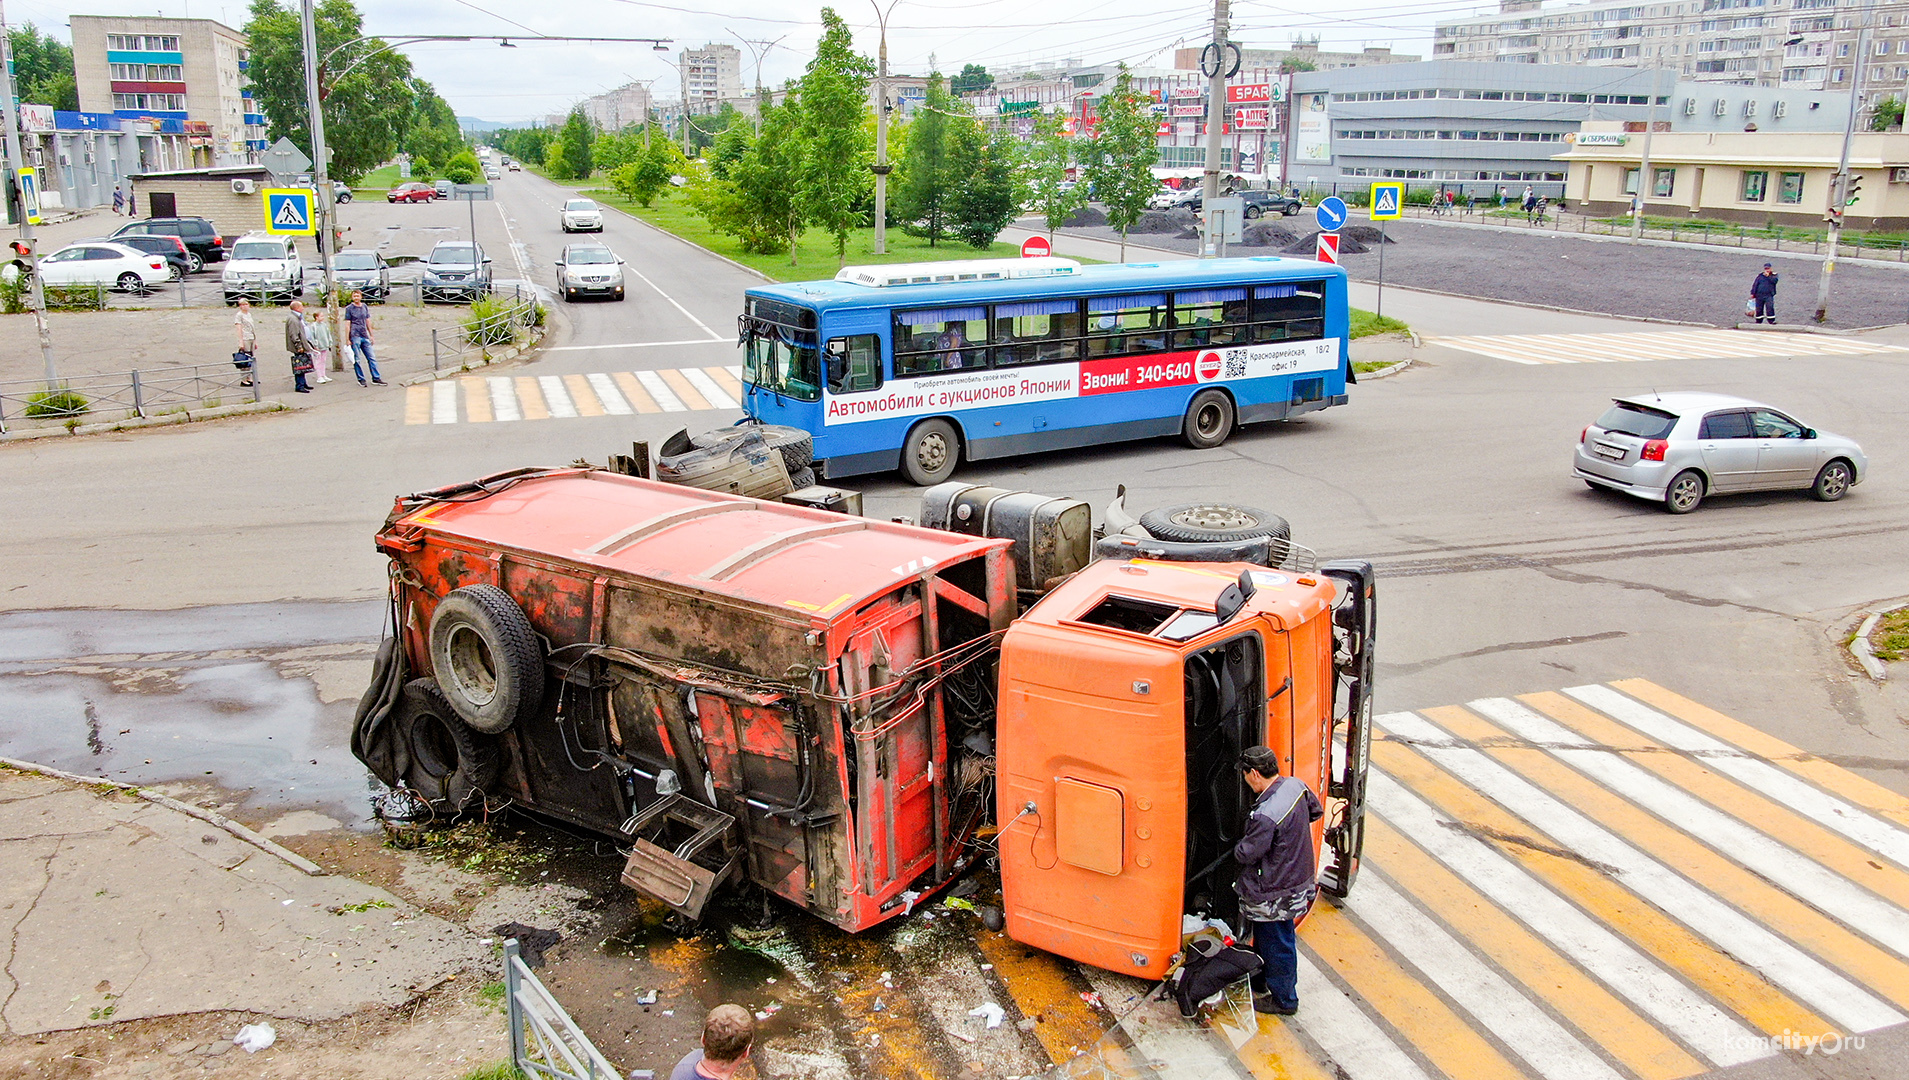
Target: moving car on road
pixel 365 271
pixel 104 263
pixel 456 270
pixel 589 268
pixel 411 192
pixel 265 267
pixel 1678 448
pixel 202 240
pixel 580 215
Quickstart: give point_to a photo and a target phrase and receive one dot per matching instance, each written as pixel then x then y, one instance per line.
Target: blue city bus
pixel 918 366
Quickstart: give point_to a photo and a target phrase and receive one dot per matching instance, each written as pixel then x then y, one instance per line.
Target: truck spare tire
pixel 794 444
pixel 487 659
pixel 451 765
pixel 1196 523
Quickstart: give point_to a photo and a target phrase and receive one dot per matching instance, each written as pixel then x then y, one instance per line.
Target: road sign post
pixel 471 193
pixel 1326 250
pixel 1330 213
pixel 1388 204
pixel 288 212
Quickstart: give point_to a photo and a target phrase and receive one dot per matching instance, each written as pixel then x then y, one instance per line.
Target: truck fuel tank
pixel 1052 537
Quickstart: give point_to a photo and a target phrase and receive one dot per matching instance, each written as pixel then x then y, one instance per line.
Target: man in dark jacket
pixel 1277 875
pixel 1763 291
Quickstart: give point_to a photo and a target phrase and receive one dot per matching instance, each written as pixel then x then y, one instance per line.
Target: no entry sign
pixel 1328 249
pixel 1036 247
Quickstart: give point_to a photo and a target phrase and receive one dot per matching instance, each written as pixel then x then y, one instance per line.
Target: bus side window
pixel 854 363
pixel 1294 312
pixel 1120 325
pixel 1203 317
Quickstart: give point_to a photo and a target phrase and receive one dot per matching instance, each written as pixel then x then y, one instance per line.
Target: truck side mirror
pixel 1234 597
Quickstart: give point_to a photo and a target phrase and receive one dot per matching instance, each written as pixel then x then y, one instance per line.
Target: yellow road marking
pixel 1833 778
pixel 1048 990
pixel 729 383
pixel 1277 1054
pixel 685 390
pixel 1418 1014
pixel 477 399
pixel 1597 1012
pixel 640 399
pixel 417 404
pixel 1734 986
pixel 530 398
pixel 583 396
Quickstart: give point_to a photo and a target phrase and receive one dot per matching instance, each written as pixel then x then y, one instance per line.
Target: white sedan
pixel 581 215
pixel 100 263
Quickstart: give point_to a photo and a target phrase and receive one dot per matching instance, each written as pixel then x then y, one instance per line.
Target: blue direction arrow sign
pixel 1331 213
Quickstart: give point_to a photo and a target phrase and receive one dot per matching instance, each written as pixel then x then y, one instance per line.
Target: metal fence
pixel 544 1041
pixel 207 290
pixel 92 399
pixel 508 318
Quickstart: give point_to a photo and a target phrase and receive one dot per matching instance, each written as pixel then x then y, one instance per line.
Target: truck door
pixel 895 742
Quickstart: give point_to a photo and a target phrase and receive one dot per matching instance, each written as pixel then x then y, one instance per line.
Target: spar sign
pixel 961 391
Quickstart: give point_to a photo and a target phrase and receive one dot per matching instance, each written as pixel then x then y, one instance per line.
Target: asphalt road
pixel 1501 575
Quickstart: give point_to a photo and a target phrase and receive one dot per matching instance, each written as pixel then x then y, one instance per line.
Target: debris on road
pixel 531 942
pixel 989 1012
pixel 255 1037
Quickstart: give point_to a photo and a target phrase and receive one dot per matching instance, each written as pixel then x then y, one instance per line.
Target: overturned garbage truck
pixel 843 711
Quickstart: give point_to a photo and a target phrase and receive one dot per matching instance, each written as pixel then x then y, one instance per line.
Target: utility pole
pixel 1643 166
pixel 321 176
pixel 16 161
pixel 1215 123
pixel 881 168
pixel 1839 184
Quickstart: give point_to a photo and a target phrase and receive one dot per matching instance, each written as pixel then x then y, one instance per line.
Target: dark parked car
pixel 411 192
pixel 1270 202
pixel 202 240
pixel 365 271
pixel 170 248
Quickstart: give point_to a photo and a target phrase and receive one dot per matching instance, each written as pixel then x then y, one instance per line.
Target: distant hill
pixel 472 123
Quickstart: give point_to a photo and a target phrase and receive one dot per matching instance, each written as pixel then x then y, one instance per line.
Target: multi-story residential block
pixel 1305 55
pixel 711 75
pixel 188 70
pixel 618 109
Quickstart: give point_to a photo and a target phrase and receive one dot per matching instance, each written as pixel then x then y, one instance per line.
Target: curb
pixel 184 416
pixel 1387 371
pixel 292 858
pixel 1859 646
pixel 511 355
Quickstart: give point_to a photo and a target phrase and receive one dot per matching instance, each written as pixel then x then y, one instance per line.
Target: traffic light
pixel 1852 189
pixel 22 248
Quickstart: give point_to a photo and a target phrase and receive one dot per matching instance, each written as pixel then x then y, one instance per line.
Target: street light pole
pixel 1215 123
pixel 16 162
pixel 321 175
pixel 1643 165
pixel 881 167
pixel 1839 184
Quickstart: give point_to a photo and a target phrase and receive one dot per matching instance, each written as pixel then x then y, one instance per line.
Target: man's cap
pixel 1766 266
pixel 1260 759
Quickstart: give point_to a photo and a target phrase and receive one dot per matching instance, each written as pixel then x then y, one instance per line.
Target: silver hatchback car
pixel 1680 447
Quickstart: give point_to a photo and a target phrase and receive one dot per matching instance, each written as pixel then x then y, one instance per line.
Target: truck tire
pixel 1209 419
pixel 1202 523
pixel 451 764
pixel 802 478
pixel 794 444
pixel 487 659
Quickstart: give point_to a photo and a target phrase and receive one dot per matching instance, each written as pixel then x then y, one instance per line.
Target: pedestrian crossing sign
pixel 288 212
pixel 1388 201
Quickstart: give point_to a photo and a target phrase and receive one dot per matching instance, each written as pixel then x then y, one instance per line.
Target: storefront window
pixel 1792 189
pixel 1754 184
pixel 1663 182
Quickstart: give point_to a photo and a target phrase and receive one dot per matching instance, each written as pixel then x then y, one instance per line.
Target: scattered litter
pixel 255 1037
pixel 965 887
pixel 990 1012
pixel 1092 997
pixel 962 1035
pixel 772 1008
pixel 669 1012
pixel 285 903
pixel 1026 1023
pixel 531 942
pixel 987 967
pixel 879 1006
pixel 908 901
pixel 771 980
pixel 647 997
pixel 928 915
pixel 485 941
pixel 958 903
pixel 760 1015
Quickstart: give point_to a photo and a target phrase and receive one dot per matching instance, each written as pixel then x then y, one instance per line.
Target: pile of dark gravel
pixel 1157 222
pixel 1087 217
pixel 1267 235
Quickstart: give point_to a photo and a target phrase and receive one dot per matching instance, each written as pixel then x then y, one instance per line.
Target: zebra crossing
pixel 1658 345
pixel 486 399
pixel 1608 882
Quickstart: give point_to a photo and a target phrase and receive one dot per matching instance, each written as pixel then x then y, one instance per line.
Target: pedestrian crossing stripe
pixel 1607 882
pixel 1658 345
pixel 489 399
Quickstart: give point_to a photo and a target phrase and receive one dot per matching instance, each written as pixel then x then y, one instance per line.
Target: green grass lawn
pixel 379 180
pixel 1365 324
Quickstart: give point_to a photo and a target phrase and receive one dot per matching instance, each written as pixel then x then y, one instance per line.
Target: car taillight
pixel 1583 434
pixel 1654 450
pixel 157 265
pixel 218 241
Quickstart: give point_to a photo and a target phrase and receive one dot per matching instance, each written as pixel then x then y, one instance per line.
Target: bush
pixel 463 169
pixel 75 298
pixel 492 321
pixel 15 296
pixel 54 404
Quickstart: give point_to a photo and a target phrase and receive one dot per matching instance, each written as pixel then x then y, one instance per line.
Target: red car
pixel 412 192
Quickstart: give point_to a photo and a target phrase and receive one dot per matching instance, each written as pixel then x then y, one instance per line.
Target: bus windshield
pixel 780 352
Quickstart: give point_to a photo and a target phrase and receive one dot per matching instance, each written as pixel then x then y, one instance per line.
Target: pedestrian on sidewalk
pixel 1763 294
pixel 246 359
pixel 298 346
pixel 359 318
pixel 1277 874
pixel 119 199
pixel 318 334
pixel 728 1033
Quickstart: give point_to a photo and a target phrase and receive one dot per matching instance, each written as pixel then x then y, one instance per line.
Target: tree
pixel 462 168
pixel 1049 156
pixel 650 173
pixel 1888 114
pixel 833 101
pixel 1120 164
pixel 525 144
pixel 757 204
pixel 729 150
pixel 367 109
pixel 42 69
pixel 921 193
pixel 973 80
pixel 569 158
pixel 432 137
pixel 986 192
pixel 1293 65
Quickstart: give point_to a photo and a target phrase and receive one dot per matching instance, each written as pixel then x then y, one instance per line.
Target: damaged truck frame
pixel 838 710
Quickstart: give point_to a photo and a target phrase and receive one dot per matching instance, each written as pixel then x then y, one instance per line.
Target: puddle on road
pixel 254 699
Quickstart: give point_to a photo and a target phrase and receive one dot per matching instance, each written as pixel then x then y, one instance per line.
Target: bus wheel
pixel 1209 420
pixel 931 453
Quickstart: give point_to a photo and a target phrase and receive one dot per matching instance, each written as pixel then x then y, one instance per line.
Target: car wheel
pixel 345 198
pixel 1832 481
pixel 131 282
pixel 175 272
pixel 1209 420
pixel 570 295
pixel 1251 213
pixel 1291 209
pixel 194 263
pixel 1686 490
pixel 931 452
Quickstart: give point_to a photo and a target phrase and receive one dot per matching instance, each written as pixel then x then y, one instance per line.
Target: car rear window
pixel 1639 420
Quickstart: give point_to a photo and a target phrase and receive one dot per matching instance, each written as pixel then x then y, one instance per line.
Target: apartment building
pixel 710 76
pixel 627 104
pixel 1796 44
pixel 189 70
pixel 1305 55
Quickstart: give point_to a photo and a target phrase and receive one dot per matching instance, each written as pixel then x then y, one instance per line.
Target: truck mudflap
pixel 704 856
pixel 1355 624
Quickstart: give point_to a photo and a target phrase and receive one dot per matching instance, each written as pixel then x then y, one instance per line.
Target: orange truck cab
pixel 1126 696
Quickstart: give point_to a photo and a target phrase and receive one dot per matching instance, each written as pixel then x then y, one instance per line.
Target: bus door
pixel 854 361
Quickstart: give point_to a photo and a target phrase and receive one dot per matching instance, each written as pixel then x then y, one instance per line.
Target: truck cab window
pixel 854 363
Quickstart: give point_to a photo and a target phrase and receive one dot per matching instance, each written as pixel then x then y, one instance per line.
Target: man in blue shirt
pixel 359 316
pixel 1278 877
pixel 728 1033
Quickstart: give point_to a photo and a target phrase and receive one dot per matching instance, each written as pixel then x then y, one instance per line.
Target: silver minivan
pixel 1678 448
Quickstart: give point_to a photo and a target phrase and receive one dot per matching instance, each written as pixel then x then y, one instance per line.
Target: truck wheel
pixel 794 444
pixel 1209 420
pixel 488 661
pixel 451 765
pixel 802 478
pixel 1205 523
pixel 931 453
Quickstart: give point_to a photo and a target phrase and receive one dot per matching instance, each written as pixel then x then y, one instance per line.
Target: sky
pixel 482 80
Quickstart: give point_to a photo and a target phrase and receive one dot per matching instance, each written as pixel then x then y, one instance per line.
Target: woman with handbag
pixel 246 358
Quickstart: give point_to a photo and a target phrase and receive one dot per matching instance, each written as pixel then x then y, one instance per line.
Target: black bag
pixel 302 363
pixel 242 360
pixel 1202 975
